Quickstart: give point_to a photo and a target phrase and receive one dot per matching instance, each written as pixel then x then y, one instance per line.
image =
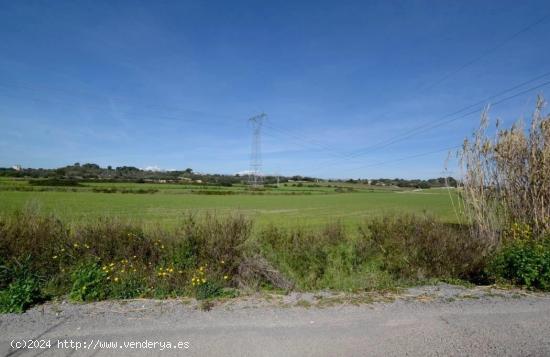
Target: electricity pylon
pixel 255 178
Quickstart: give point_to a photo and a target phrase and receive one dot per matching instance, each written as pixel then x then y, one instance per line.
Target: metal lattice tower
pixel 255 178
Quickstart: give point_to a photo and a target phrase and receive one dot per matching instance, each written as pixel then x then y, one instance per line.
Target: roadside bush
pixel 19 286
pixel 20 295
pixel 301 254
pixel 111 239
pixel 208 290
pixel 32 237
pixel 128 286
pixel 112 258
pixel 217 241
pixel 522 260
pixel 314 259
pixel 420 247
pixel 207 254
pixel 89 283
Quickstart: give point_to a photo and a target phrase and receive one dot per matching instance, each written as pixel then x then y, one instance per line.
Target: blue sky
pixel 170 84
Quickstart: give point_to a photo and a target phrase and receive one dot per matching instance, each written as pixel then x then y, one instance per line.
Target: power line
pixel 441 121
pixel 476 104
pixel 487 52
pixel 466 65
pixel 436 125
pixel 471 62
pixel 301 142
pixel 301 138
pixel 406 157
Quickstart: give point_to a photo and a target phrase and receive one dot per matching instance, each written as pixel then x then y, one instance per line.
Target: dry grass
pixel 420 247
pixel 506 178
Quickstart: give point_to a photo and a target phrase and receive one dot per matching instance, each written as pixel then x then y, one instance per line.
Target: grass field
pixel 288 205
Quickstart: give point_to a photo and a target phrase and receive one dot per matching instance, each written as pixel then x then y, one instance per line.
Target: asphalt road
pixel 440 321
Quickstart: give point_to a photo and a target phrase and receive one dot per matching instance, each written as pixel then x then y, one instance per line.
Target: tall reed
pixel 506 177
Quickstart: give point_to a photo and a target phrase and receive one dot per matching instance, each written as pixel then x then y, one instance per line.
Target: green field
pixel 287 205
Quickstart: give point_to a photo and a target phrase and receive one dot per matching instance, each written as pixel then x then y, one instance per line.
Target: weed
pixel 524 262
pixel 420 247
pixel 89 282
pixel 19 295
pixel 208 290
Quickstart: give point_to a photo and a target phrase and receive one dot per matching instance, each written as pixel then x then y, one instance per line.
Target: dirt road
pixel 439 321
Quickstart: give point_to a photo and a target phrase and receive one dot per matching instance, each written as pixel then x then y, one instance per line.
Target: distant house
pixel 16 167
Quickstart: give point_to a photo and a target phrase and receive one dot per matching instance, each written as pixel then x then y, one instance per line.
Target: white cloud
pixel 155 168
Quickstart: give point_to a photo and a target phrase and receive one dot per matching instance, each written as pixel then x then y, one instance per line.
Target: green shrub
pixel 318 259
pixel 132 286
pixel 30 236
pixel 420 247
pixel 112 239
pixel 300 254
pixel 20 295
pixel 20 286
pixel 208 290
pixel 218 241
pixel 89 283
pixel 524 262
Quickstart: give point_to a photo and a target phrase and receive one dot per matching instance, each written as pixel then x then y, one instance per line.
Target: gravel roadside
pixel 430 320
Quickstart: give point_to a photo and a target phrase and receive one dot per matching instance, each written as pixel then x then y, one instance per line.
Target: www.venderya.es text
pixel 94 344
